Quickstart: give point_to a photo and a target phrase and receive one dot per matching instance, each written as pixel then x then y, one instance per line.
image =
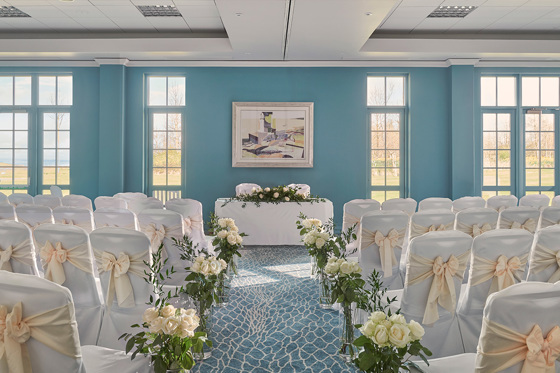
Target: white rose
pixel 380 335
pixel 397 319
pixel 331 269
pixel 317 222
pixel 267 189
pixel 309 239
pixel 156 325
pixel 325 236
pixel 170 325
pixel 222 223
pixel 331 260
pixel 261 196
pixel 205 268
pixel 150 314
pixel 230 222
pixel 346 268
pixel 215 267
pixel 399 335
pixel 195 267
pixel 186 333
pixel 307 223
pixel 239 239
pixel 231 239
pixel 168 311
pixel 377 317
pixel 199 259
pixel 188 312
pixel 368 328
pixel 276 195
pixel 386 323
pixel 356 267
pixel 223 263
pixel 222 234
pixel 253 190
pixel 416 330
pixel 234 229
pixel 320 242
pixel 287 199
pixel 285 189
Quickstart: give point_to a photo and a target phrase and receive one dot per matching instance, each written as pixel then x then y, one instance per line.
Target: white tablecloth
pixel 272 224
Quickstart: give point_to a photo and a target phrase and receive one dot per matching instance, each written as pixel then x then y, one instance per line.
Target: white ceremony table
pixel 272 224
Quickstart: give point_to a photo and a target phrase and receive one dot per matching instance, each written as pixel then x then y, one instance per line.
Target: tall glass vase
pixel 324 290
pixel 205 326
pixel 223 287
pixel 313 268
pixel 232 268
pixel 346 333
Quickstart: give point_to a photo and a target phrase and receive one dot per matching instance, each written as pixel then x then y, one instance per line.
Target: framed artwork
pixel 272 134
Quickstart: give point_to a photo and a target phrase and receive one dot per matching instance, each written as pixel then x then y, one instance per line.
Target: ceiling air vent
pixel 159 10
pixel 12 11
pixel 451 11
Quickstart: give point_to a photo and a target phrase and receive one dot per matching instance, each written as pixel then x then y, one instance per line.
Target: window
pixel 14 153
pixel 498 91
pixel 166 102
pixel 540 91
pixel 386 101
pixel 15 90
pixel 540 151
pixel 55 90
pixel 496 154
pixel 56 151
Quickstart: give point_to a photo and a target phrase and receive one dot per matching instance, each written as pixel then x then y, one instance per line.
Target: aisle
pixel 273 323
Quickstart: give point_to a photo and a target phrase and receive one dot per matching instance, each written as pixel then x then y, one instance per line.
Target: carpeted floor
pixel 273 322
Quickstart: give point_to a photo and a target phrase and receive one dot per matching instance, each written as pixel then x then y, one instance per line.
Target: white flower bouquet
pixel 228 240
pixel 278 194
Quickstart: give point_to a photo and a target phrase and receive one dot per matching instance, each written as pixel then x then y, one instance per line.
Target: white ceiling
pixel 281 30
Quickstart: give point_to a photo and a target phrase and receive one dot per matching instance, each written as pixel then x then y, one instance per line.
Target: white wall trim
pixel 47 63
pixel 462 61
pixel 112 61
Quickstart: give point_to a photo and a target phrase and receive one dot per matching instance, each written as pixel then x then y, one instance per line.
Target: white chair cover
pixel 485 271
pixel 423 222
pixel 130 196
pixel 520 218
pixel 67 259
pixel 303 189
pixel 468 202
pixel 435 203
pixel 140 204
pixel 353 212
pixel 110 202
pixel 3 198
pixel 406 205
pixel 7 212
pixel 56 191
pixel 435 267
pixel 17 252
pixel 555 201
pixel 380 241
pixel 33 216
pixel 47 200
pixel 117 320
pixel 245 188
pixel 550 216
pixel 77 216
pixel 538 201
pixel 500 203
pixel 17 199
pixel 544 264
pixel 193 222
pixel 106 217
pixel 476 221
pixel 75 200
pixel 161 226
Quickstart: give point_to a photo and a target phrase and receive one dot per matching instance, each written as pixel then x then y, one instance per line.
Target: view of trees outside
pixel 539 150
pixel 13 152
pixel 496 145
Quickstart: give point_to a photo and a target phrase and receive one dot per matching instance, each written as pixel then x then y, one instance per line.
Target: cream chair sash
pixel 474 230
pixel 157 234
pixel 22 252
pixel 548 223
pixel 8 218
pixel 503 271
pixel 529 224
pixel 53 257
pixel 55 329
pixel 349 220
pixel 442 291
pixel 418 230
pixel 120 270
pixel 544 258
pixel 500 348
pixel 386 244
pixel 84 225
pixel 33 226
pixel 193 222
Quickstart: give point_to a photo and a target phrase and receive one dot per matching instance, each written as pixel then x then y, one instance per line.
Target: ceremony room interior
pixel 253 186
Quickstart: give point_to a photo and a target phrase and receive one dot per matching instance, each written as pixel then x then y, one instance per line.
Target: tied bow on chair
pixel 13 333
pixel 542 352
pixel 5 256
pixel 53 257
pixel 436 228
pixel 191 223
pixel 351 220
pixel 386 247
pixel 529 225
pixel 544 258
pixel 21 252
pixel 85 225
pixel 155 234
pixel 505 270
pixel 477 231
pixel 442 291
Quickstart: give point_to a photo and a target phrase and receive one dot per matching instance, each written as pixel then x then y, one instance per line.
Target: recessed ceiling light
pixel 453 11
pixel 239 14
pixel 159 10
pixel 12 11
pixel 369 13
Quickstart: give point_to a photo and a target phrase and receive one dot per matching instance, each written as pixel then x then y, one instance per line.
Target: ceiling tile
pixel 520 17
pixel 481 18
pixel 463 2
pixel 133 24
pixel 169 23
pixel 120 11
pixel 6 26
pixel 96 24
pixel 44 11
pixel 209 10
pixel 152 2
pixel 436 24
pixel 26 24
pixel 542 3
pixel 433 3
pixel 205 23
pixel 110 2
pixel 504 2
pixel 406 18
pixel 82 11
pixel 61 23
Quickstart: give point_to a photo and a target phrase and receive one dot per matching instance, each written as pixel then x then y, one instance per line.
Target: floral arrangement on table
pixel 276 195
pixel 168 333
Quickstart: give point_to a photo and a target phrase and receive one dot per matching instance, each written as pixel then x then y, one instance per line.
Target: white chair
pixel 502 346
pixel 161 226
pixel 3 198
pixel 67 260
pixel 33 216
pixel 54 345
pixel 193 222
pixel 538 201
pixel 406 205
pixel 130 196
pixel 246 188
pixel 475 221
pixel 555 201
pixel 380 241
pixel 500 203
pixel 427 297
pixel 520 218
pixel 139 205
pixel 47 200
pixel 17 199
pixel 303 189
pixel 110 202
pixel 105 217
pixel 550 216
pixel 544 263
pixel 423 222
pixel 75 200
pixel 7 212
pixel 435 203
pixel 468 202
pixel 17 252
pixel 124 307
pixel 498 260
pixel 56 191
pixel 80 217
pixel 353 211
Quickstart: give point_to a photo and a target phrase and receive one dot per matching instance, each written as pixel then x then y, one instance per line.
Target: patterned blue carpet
pixel 273 322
